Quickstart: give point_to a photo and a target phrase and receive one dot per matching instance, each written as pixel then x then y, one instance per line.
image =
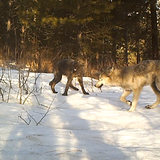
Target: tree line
pixel 104 32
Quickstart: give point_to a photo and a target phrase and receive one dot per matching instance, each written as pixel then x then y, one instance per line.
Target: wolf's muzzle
pixel 98 86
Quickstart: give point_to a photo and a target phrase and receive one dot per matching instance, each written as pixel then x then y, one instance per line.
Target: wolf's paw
pixel 86 93
pixel 53 90
pixel 76 89
pixel 131 109
pixel 50 83
pixel 148 107
pixel 129 103
pixel 64 94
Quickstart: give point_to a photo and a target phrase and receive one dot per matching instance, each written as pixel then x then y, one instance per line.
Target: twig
pixel 27 96
pixel 46 112
pixel 36 98
pixel 31 117
pixel 28 123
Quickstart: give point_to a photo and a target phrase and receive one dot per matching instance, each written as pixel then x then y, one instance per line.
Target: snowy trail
pixel 79 127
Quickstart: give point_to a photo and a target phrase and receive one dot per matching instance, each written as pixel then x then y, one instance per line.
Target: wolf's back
pixel 146 67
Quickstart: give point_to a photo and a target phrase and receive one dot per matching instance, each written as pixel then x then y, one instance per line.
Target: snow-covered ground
pixel 76 127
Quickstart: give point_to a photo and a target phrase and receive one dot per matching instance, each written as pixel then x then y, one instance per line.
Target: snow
pixel 76 127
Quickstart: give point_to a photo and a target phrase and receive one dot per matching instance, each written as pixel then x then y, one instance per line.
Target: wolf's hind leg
pixel 157 92
pixel 56 79
pixel 124 95
pixel 73 87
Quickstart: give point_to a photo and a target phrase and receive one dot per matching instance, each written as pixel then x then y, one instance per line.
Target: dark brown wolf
pixel 71 69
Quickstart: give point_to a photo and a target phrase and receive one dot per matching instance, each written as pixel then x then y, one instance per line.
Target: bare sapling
pixel 32 118
pixel 22 83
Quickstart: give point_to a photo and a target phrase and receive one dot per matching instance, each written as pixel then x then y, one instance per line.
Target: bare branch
pixel 28 123
pixel 31 117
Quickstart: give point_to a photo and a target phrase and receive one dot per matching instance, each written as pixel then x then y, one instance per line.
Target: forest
pixel 37 33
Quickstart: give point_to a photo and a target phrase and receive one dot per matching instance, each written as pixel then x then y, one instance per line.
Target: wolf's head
pixel 78 68
pixel 105 78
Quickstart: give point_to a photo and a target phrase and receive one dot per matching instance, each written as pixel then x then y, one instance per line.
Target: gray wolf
pixel 134 78
pixel 71 69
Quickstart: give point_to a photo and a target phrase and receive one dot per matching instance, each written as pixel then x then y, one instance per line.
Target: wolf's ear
pixel 73 67
pixel 108 72
pixel 112 69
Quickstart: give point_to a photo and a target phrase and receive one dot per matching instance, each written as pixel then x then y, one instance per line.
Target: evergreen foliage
pixel 105 32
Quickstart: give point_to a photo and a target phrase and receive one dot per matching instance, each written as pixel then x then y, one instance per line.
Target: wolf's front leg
pixel 124 95
pixel 80 80
pixel 136 94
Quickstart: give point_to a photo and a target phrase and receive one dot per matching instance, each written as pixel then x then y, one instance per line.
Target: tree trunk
pixel 126 44
pixel 155 49
pixel 137 39
pixel 80 47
